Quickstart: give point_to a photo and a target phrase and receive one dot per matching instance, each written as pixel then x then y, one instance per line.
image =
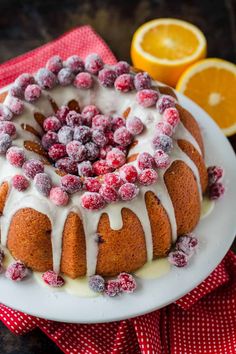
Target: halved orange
pixel 166 47
pixel 212 84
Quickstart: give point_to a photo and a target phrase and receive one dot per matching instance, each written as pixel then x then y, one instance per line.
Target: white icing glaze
pixel 154 269
pixel 206 207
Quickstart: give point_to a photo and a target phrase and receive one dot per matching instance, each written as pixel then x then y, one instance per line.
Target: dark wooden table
pixel 28 24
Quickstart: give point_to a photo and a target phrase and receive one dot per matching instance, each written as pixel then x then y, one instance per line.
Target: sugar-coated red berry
pixel 162 142
pixel 43 183
pixel 51 123
pixel 164 102
pixel 92 151
pixel 5 143
pixel 92 184
pixel 52 279
pixel 32 93
pixel 92 201
pixel 24 80
pixel 8 128
pixel 161 159
pixel 128 191
pixel 124 83
pixel 122 67
pixel 99 137
pixel 164 128
pixel 15 105
pixel 82 133
pixel 122 136
pixel 93 63
pixel 127 283
pixel 88 113
pixel 83 81
pixel 49 139
pixel 85 169
pixel 75 63
pixel 178 258
pixel 115 158
pixel 102 122
pixel 145 160
pixel 113 180
pixel 16 271
pixel 71 184
pixel 65 135
pixel 215 173
pixel 65 77
pixel 54 64
pixel 16 156
pixel 58 196
pixel 101 167
pixel 107 77
pixel 20 183
pixel 5 113
pixel 67 165
pixel 147 177
pixel 142 81
pixel 171 116
pixel 118 122
pixel 187 243
pixel 16 91
pixel 128 173
pixel 46 79
pixel 32 167
pixel 110 138
pixel 104 151
pixel 216 190
pixel 76 151
pixel 57 151
pixel 97 283
pixel 112 288
pixel 74 119
pixel 147 98
pixel 109 193
pixel 62 113
pixel 134 125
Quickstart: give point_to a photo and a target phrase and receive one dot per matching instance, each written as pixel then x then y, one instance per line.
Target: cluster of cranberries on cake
pixel 95 154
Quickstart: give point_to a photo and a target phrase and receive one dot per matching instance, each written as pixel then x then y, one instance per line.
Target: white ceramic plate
pixel 216 234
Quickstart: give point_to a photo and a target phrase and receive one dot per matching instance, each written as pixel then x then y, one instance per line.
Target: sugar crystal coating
pixel 216 191
pixel 215 173
pixel 118 122
pixel 54 64
pixel 164 102
pixel 147 97
pixel 97 283
pixel 5 113
pixel 162 142
pixel 74 119
pixel 187 243
pixel 161 159
pixel 58 196
pixel 43 183
pixel 65 77
pixel 67 165
pixel 5 143
pixel 112 288
pixel 46 79
pixel 122 136
pixel 88 113
pixel 62 113
pixel 51 123
pixel 147 177
pixel 134 125
pixel 71 184
pixel 16 271
pixel 178 258
pixel 128 173
pixel 99 137
pixel 52 279
pixel 113 180
pixel 127 283
pixel 32 92
pixel 49 139
pixel 164 128
pixel 92 184
pixel 93 63
pixel 8 128
pixel 107 77
pixel 76 151
pixel 171 116
pixel 15 105
pixel 16 156
pixel 32 167
pixel 16 91
pixel 115 158
pixel 92 201
pixel 109 193
pixel 75 63
pixel 124 83
pixel 82 133
pixel 20 183
pixel 65 135
pixel 101 121
pixel 128 191
pixel 101 167
pixel 122 67
pixel 85 169
pixel 92 151
pixel 142 81
pixel 83 81
pixel 57 151
pixel 24 80
pixel 145 160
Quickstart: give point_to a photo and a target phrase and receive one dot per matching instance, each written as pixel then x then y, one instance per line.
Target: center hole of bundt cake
pixel 87 142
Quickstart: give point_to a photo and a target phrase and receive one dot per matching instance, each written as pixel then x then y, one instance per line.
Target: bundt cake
pixel 101 168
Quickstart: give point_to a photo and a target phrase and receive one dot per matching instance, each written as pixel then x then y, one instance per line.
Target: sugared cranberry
pixel 162 142
pixel 16 271
pixel 51 123
pixel 32 167
pixel 187 244
pixel 142 81
pixel 92 201
pixel 134 125
pixel 101 167
pixel 57 151
pixel 92 184
pixel 5 143
pixel 83 81
pixel 99 137
pixel 101 122
pixel 122 67
pixel 164 102
pixel 109 193
pixel 71 184
pixel 54 64
pixel 97 283
pixel 107 77
pixel 122 136
pixel 67 165
pixel 58 196
pixel 24 80
pixel 16 156
pixel 8 128
pixel 15 105
pixel 5 113
pixel 112 288
pixel 75 63
pixel 171 116
pixel 124 83
pixel 128 173
pixel 85 169
pixel 128 191
pixel 161 158
pixel 20 183
pixel 93 63
pixel 104 151
pixel 178 258
pixel 164 128
pixel 74 119
pixel 145 160
pixel 115 158
pixel 110 138
pixel 16 91
pixel 43 183
pixel 92 151
pixel 88 113
pixel 113 180
pixel 49 139
pixel 215 173
pixel 65 135
pixel 53 279
pixel 147 98
pixel 82 133
pixel 127 283
pixel 32 93
pixel 76 151
pixel 46 79
pixel 65 77
pixel 147 177
pixel 62 113
pixel 118 122
pixel 216 190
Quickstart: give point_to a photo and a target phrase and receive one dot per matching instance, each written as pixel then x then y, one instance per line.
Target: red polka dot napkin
pixel 202 322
